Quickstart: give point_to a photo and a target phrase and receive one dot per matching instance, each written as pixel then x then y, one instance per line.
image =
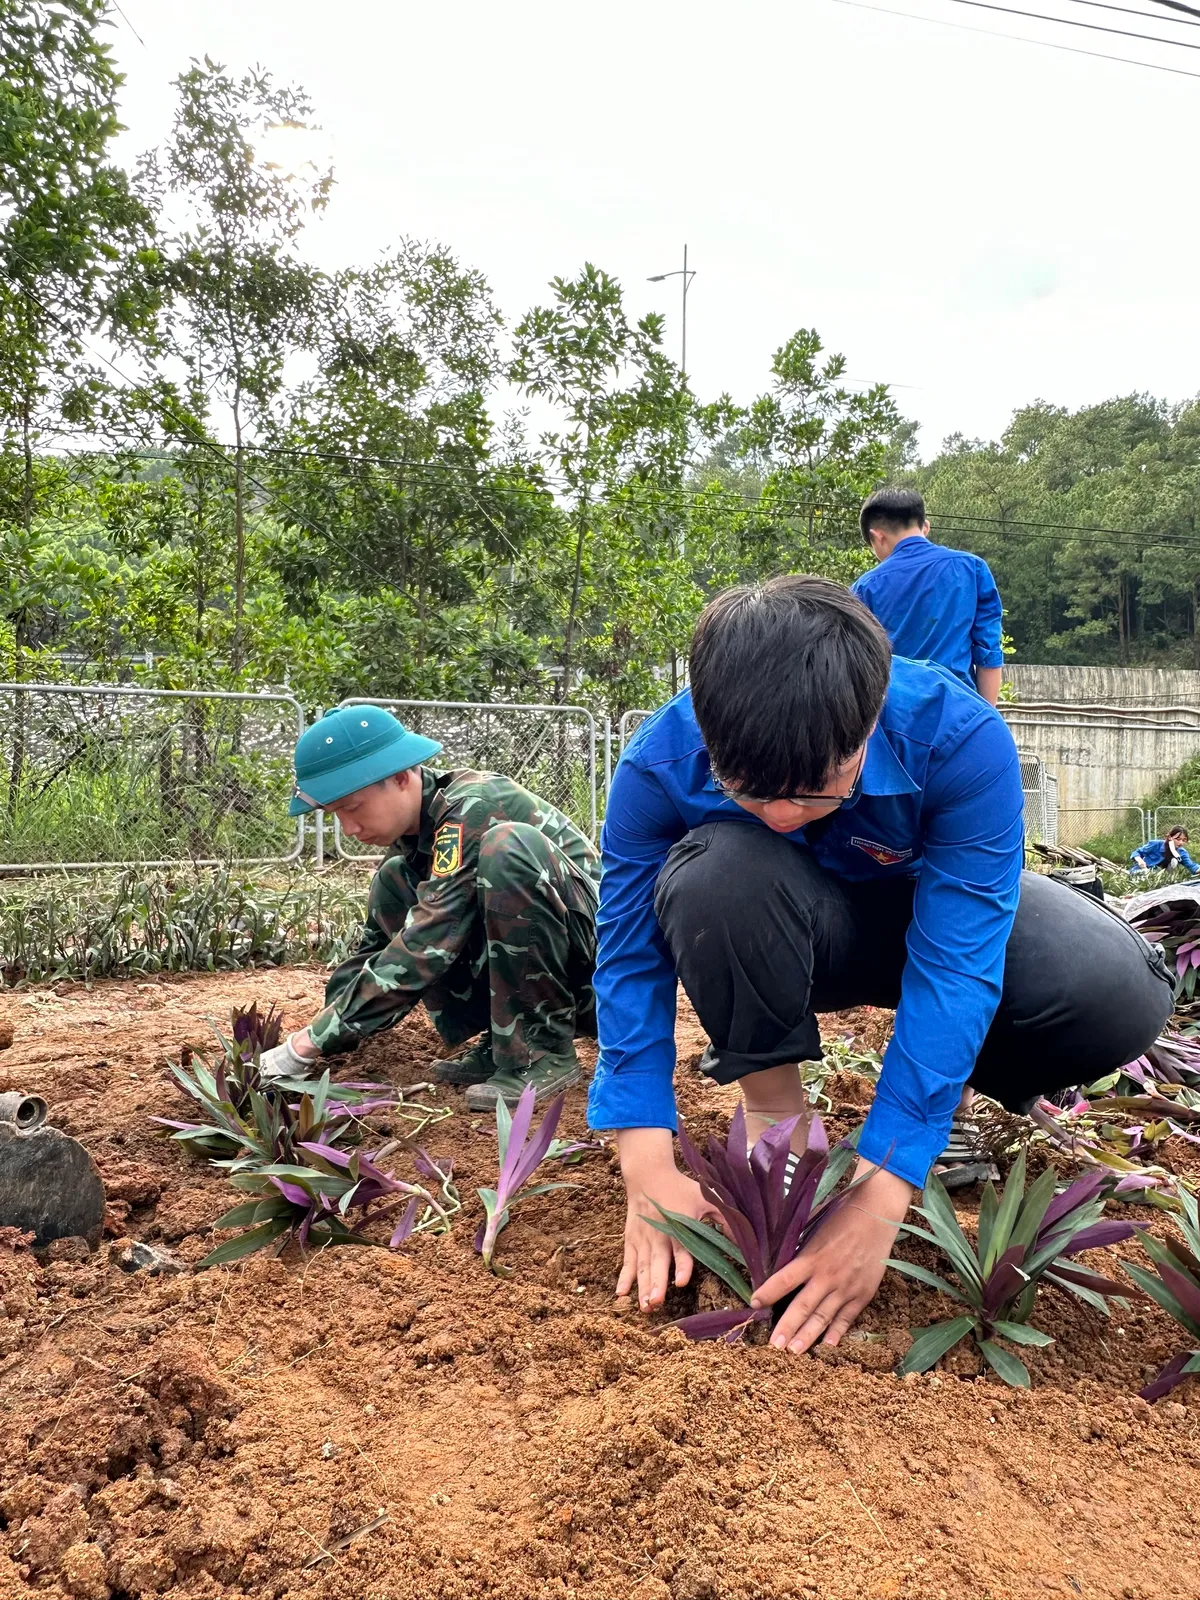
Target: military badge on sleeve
pixel 447 849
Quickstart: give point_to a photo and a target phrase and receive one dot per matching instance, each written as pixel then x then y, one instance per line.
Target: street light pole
pixel 687 276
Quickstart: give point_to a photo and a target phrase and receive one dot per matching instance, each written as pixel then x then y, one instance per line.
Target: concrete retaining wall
pixel 1109 686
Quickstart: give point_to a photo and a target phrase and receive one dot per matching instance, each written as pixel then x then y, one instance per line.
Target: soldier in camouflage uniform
pixel 484 908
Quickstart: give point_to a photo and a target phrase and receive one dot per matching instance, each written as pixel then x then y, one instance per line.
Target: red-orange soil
pixel 228 1433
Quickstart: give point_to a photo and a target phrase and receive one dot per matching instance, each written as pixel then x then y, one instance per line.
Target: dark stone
pixel 49 1186
pixel 134 1256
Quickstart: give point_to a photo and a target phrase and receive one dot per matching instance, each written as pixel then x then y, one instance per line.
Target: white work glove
pixel 284 1061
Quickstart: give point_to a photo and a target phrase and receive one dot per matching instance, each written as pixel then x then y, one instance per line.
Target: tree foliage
pixel 300 477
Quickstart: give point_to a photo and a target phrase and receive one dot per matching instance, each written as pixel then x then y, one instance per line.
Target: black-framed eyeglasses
pixel 827 803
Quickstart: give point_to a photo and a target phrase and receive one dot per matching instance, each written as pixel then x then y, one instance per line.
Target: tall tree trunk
pixel 569 637
pixel 237 653
pixel 1123 619
pixel 20 726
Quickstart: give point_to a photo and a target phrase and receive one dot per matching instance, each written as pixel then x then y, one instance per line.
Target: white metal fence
pixel 1176 817
pixel 629 724
pixel 104 775
pixel 556 751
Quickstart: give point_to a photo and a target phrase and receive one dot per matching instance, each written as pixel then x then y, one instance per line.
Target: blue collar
pixel 882 771
pixel 915 541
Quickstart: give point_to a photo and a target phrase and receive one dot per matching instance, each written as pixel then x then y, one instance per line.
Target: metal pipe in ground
pixel 26 1111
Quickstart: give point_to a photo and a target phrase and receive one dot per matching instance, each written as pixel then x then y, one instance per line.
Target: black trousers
pixel 764 938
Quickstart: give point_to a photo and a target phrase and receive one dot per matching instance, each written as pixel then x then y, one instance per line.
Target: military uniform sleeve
pixel 392 979
pixel 371 940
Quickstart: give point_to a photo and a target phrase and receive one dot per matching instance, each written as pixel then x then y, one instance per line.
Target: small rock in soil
pixel 134 1256
pixel 85 1572
pixel 6 1035
pixel 72 1248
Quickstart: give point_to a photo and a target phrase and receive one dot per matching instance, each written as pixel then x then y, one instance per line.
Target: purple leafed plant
pixel 255 1031
pixel 521 1153
pixel 766 1220
pixel 1174 923
pixel 1173 1058
pixel 1176 1287
pixel 317 1194
pixel 1025 1238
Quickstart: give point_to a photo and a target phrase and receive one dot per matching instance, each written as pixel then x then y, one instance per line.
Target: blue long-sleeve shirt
pixel 936 604
pixel 940 801
pixel 1152 855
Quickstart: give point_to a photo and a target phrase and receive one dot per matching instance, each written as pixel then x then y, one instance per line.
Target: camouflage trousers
pixel 525 971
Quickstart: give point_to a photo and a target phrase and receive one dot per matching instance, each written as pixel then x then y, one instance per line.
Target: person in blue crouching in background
pixel 1165 855
pixel 814 825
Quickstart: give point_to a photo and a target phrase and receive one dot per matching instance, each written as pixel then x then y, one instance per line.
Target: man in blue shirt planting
pixel 936 604
pixel 815 825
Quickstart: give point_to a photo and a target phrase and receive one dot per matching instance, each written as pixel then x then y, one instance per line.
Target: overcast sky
pixel 975 220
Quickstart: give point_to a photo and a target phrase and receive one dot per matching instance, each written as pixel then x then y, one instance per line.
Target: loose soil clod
pixel 525 1438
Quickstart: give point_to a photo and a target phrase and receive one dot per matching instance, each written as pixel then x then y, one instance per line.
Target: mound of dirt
pixel 359 1424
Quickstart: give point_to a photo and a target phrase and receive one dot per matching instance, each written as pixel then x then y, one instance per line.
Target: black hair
pixel 788 678
pixel 891 511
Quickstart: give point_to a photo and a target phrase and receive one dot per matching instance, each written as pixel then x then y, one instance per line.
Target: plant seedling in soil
pixel 311 1191
pixel 765 1219
pixel 1174 923
pixel 227 1094
pixel 1026 1238
pixel 521 1153
pixel 1176 1287
pixel 1173 1059
pixel 253 1032
pixel 231 1098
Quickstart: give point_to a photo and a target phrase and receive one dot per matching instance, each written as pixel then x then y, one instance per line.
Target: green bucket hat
pixel 350 748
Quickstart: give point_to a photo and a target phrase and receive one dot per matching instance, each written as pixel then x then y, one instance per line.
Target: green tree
pixel 75 252
pixel 626 416
pixel 393 489
pixel 242 300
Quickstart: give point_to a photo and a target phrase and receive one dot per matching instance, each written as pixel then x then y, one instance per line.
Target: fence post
pixel 319 851
pixel 607 757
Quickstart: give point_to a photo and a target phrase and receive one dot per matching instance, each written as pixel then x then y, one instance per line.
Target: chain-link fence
pixel 106 775
pixel 1109 831
pixel 551 750
pixel 1035 790
pixel 1176 817
pixel 629 724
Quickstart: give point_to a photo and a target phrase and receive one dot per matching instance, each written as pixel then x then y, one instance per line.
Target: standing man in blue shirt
pixel 814 825
pixel 936 604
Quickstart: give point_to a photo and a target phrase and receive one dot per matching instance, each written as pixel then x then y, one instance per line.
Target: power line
pixel 1016 38
pixel 1146 16
pixel 1096 541
pixel 1177 5
pixel 129 25
pixel 1004 526
pixel 1074 22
